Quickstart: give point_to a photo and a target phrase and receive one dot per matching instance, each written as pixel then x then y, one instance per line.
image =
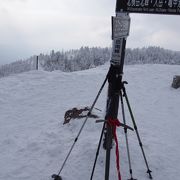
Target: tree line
pixel 86 57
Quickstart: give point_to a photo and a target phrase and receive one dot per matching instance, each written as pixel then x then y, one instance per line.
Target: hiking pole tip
pixel 149 172
pixel 56 177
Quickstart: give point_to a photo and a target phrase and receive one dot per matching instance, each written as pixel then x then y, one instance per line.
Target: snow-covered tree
pixel 86 57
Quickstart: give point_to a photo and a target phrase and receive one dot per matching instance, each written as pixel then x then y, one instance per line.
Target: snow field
pixel 34 141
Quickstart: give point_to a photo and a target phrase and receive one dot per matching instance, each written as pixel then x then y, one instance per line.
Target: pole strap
pixel 114 123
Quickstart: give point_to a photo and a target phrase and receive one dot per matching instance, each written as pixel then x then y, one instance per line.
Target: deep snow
pixel 34 141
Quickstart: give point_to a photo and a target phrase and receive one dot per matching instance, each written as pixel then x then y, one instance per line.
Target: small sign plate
pixel 117 51
pixel 120 26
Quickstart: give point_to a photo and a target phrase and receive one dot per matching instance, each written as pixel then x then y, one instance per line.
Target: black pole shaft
pixel 37 62
pixel 112 112
pixel 114 79
pixel 108 151
pixel 97 152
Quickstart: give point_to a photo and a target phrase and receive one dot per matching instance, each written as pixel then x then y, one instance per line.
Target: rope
pixel 114 123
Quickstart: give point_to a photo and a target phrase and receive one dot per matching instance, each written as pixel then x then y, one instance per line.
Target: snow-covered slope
pixel 34 141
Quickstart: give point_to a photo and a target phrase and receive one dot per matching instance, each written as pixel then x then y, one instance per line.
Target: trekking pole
pixel 136 129
pixel 58 177
pixel 97 152
pixel 126 137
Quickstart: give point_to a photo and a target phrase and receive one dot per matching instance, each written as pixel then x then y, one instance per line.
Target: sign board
pixel 149 6
pixel 120 26
pixel 116 51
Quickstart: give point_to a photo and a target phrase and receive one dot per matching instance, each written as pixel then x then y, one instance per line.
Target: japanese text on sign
pixel 149 6
pixel 121 26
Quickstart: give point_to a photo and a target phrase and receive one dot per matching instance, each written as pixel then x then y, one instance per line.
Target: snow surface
pixel 34 141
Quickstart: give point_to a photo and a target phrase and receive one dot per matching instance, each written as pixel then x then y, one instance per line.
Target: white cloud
pixel 41 25
pixel 157 30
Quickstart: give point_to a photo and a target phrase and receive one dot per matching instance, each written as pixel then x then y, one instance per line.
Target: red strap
pixel 115 123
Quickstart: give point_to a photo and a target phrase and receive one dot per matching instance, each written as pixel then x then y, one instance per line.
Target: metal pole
pixel 97 152
pixel 126 137
pixel 137 132
pixel 37 62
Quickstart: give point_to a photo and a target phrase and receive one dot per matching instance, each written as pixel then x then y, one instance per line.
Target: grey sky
pixel 29 27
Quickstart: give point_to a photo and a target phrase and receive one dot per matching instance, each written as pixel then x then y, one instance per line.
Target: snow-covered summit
pixel 34 141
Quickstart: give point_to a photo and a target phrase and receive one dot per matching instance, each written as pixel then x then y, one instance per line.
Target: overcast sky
pixel 29 27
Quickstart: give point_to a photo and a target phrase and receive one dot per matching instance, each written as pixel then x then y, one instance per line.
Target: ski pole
pixel 92 106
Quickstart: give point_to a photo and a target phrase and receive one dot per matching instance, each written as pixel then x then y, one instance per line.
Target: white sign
pixel 120 26
pixel 117 51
